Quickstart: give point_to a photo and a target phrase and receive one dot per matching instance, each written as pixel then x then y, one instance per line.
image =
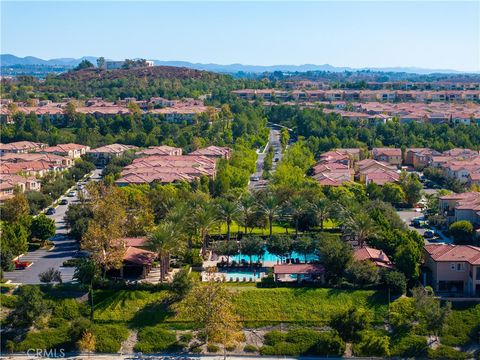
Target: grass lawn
pixel 303 305
pixel 276 229
pixel 136 308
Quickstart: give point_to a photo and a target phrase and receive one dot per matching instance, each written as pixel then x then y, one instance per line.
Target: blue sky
pixel 440 35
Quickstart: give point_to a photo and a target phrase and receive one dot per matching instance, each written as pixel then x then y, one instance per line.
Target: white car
pixel 255 178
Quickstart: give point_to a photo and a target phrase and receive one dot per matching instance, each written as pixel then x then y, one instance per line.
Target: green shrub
pixel 410 346
pixel 250 348
pixel 8 301
pixel 330 343
pixel 155 339
pixel 109 338
pixel 57 322
pixel 45 339
pixel 372 344
pixel 230 347
pixel 195 349
pixel 274 337
pixel 301 342
pixel 67 309
pixel 186 337
pixel 212 348
pixel 282 348
pixel 350 322
pixel 78 327
pixel 460 326
pixel 446 352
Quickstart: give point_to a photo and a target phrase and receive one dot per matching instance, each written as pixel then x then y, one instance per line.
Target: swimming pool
pixel 268 257
pixel 248 274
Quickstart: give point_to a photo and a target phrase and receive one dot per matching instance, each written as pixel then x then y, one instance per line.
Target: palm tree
pixel 361 226
pixel 270 206
pixel 204 220
pixel 227 210
pixel 164 240
pixel 322 210
pixel 246 209
pixel 296 207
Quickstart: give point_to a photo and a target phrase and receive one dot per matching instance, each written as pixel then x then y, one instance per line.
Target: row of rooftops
pixel 164 164
pixel 339 166
pixel 167 165
pixel 464 84
pixel 100 107
pixel 364 95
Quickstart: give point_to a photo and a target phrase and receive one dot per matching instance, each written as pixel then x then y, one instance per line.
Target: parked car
pixel 255 178
pixel 20 265
pixel 276 159
pixel 63 202
pixel 428 234
pixel 51 211
pixel 71 193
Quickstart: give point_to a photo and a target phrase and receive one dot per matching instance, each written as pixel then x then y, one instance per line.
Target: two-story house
pixel 392 156
pixel 453 269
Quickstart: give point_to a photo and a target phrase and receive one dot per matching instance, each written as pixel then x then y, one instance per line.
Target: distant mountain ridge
pixel 11 60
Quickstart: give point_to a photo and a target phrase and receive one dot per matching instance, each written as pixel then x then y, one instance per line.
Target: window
pixel 457 266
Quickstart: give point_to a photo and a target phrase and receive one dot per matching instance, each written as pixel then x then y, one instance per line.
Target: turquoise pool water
pixel 272 258
pixel 242 274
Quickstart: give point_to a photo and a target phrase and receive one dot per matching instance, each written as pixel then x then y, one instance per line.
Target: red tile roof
pixel 285 269
pixel 378 257
pixel 466 253
pixel 138 256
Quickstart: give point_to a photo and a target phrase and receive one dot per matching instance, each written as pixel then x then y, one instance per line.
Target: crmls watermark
pixel 44 353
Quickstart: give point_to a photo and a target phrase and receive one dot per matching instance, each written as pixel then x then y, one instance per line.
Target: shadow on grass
pixel 152 314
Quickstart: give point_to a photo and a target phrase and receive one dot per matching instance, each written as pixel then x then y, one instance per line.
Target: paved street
pixel 273 141
pixel 65 248
pixel 408 215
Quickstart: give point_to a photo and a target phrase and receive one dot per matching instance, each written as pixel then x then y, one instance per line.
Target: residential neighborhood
pixel 239 180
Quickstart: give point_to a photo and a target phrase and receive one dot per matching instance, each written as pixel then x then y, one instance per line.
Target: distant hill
pixel 166 72
pixel 9 60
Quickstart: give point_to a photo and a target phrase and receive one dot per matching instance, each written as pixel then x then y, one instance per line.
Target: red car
pixel 20 265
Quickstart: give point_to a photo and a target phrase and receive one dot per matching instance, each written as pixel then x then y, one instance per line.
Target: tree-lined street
pixel 65 248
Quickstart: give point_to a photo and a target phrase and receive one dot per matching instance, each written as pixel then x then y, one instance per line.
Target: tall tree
pixel 101 62
pixel 360 226
pixel 42 227
pixel 334 254
pixel 227 211
pixel 164 241
pixel 247 209
pixel 210 306
pixel 321 209
pixel 280 246
pixel 252 246
pixel 270 206
pixel 296 208
pixel 204 220
pixel 105 230
pixel 304 245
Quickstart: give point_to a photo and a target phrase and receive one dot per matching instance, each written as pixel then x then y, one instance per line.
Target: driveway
pixel 65 248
